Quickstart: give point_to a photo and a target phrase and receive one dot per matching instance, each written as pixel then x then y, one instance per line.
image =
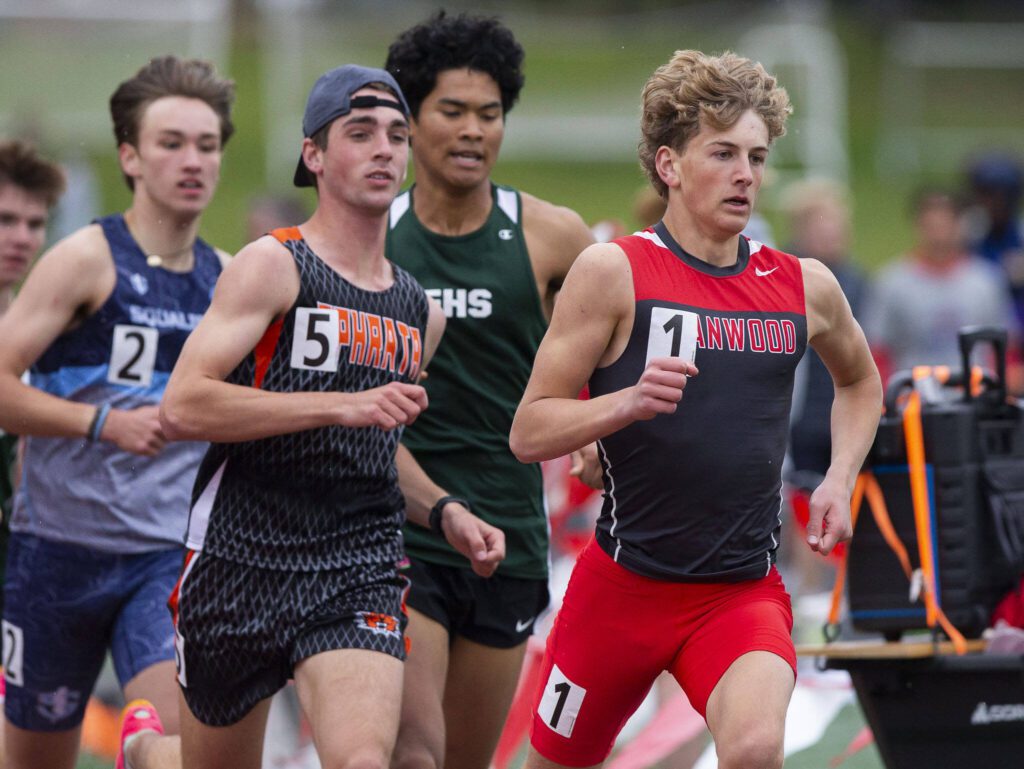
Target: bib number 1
pixel 673 334
pixel 560 705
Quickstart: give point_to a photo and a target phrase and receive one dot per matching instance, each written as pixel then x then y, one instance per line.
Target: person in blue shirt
pixel 100 513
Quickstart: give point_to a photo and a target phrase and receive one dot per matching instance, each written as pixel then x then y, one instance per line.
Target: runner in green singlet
pixel 493 258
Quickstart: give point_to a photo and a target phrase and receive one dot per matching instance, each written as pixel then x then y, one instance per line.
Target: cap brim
pixel 302 178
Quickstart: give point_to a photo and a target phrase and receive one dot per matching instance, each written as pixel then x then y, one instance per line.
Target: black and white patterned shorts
pixel 240 630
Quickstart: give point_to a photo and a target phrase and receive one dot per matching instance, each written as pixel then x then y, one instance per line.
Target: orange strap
pixel 867 486
pixel 914 436
pixel 840 583
pixel 881 513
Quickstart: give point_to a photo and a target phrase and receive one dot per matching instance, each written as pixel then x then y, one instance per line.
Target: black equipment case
pixel 974 455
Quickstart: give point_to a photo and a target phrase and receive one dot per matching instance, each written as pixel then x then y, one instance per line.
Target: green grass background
pixel 575 61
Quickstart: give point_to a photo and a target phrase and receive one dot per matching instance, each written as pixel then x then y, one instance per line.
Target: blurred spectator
pixel 920 301
pixel 648 206
pixel 647 210
pixel 268 212
pixel 818 214
pixel 995 228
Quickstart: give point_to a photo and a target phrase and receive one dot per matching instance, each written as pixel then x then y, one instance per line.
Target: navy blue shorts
pixel 65 606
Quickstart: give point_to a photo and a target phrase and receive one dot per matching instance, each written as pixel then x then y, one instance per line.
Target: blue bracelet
pixel 96 426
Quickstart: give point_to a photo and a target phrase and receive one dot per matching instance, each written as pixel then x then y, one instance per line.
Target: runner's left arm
pixel 481 543
pixel 838 339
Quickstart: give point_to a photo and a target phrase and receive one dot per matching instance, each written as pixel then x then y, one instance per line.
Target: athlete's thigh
pixel 481 684
pixel 60 603
pixel 239 746
pixel 589 684
pixel 485 661
pixel 40 750
pixel 352 698
pixel 738 619
pixel 421 732
pixel 348 665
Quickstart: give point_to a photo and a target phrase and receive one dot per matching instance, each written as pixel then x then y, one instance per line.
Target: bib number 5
pixel 315 345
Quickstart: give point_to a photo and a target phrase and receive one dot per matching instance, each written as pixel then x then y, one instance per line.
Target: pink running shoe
pixel 138 716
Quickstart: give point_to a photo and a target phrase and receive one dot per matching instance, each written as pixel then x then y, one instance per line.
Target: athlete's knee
pixel 417 756
pixel 757 748
pixel 420 743
pixel 360 758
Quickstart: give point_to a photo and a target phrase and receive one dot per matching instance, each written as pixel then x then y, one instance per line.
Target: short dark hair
pixel 22 167
pixel 443 42
pixel 170 76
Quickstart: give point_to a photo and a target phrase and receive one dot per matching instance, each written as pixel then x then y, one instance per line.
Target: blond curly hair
pixel 694 89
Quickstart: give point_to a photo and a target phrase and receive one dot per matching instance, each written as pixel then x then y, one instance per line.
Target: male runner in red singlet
pixel 689 334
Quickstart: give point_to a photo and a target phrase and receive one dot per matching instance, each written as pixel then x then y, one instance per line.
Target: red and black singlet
pixel 695 496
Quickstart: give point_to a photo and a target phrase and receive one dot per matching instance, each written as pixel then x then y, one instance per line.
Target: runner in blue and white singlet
pixel 93 494
pixel 99 517
pixel 97 531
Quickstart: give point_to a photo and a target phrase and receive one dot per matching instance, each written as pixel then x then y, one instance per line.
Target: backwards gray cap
pixel 331 98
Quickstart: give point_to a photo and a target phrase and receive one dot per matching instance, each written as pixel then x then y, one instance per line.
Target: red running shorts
pixel 617 631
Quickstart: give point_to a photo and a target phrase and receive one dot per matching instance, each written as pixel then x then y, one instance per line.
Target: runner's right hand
pixel 659 389
pixel 135 430
pixel 386 407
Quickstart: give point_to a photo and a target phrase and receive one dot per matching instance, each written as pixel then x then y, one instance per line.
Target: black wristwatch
pixel 438 510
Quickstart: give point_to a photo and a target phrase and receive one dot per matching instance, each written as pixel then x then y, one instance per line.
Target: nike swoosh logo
pixel 761 273
pixel 521 626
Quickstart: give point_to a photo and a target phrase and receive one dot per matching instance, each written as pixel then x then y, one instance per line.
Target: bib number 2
pixel 133 355
pixel 13 653
pixel 560 704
